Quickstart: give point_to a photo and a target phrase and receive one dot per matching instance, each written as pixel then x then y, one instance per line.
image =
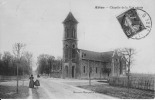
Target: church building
pixel 81 64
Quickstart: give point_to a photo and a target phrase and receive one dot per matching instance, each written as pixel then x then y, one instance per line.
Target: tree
pixel 1 64
pixel 0 56
pixel 7 64
pixel 28 60
pixel 129 56
pixel 7 57
pixel 42 64
pixel 47 63
pixel 50 61
pixel 17 52
pixel 59 63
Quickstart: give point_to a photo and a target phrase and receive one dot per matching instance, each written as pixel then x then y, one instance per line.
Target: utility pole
pixel 16 50
pixel 17 77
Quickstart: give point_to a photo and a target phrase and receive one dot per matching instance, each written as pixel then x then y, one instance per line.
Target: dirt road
pixel 57 89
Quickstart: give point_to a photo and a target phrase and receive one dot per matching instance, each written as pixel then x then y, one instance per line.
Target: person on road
pixel 38 76
pixel 31 83
pixel 37 83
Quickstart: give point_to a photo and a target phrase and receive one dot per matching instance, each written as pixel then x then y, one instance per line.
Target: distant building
pixel 78 63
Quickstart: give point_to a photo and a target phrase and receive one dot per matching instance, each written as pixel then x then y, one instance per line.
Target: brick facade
pixel 78 63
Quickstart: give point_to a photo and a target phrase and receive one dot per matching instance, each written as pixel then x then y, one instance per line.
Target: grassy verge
pixel 9 92
pixel 35 93
pixel 120 92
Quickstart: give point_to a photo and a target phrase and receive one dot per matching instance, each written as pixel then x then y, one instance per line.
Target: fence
pixel 4 78
pixel 145 83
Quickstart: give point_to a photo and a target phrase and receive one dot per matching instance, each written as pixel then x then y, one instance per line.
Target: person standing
pixel 37 83
pixel 31 83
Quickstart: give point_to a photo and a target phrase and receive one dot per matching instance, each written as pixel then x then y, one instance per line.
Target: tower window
pixel 73 53
pixel 73 46
pixel 67 33
pixel 66 70
pixel 96 69
pixel 66 54
pixel 84 69
pixel 73 33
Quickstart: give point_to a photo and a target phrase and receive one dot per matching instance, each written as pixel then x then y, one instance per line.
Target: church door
pixel 73 71
pixel 66 67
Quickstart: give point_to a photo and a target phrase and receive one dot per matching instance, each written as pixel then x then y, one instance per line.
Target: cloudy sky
pixel 38 24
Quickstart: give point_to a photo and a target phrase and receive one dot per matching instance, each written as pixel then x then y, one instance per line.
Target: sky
pixel 38 24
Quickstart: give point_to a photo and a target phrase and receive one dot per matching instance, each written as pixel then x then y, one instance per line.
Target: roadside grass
pixel 35 93
pixel 9 92
pixel 120 92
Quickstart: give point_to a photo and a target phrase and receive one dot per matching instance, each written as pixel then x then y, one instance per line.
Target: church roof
pixel 70 17
pixel 91 55
pixel 107 56
pixel 97 56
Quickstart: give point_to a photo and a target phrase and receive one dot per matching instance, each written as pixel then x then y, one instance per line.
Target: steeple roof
pixel 70 17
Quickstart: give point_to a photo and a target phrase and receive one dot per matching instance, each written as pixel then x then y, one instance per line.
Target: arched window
pixel 73 53
pixel 84 69
pixel 67 33
pixel 73 71
pixel 96 69
pixel 73 46
pixel 66 54
pixel 66 67
pixel 73 33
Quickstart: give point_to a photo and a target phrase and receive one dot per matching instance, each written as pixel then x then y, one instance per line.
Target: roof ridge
pixel 97 52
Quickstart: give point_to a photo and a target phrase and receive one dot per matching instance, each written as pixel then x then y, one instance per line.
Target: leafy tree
pixel 48 64
pixel 7 57
pixel 27 56
pixel 42 63
pixel 50 60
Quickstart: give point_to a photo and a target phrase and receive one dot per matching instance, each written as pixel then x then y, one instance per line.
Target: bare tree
pixel 28 56
pixel 17 47
pixel 129 56
pixel 59 63
pixel 50 61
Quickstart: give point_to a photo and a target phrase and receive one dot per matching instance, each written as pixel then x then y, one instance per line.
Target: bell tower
pixel 69 46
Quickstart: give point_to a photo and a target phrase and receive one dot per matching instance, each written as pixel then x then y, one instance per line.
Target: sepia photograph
pixel 77 49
